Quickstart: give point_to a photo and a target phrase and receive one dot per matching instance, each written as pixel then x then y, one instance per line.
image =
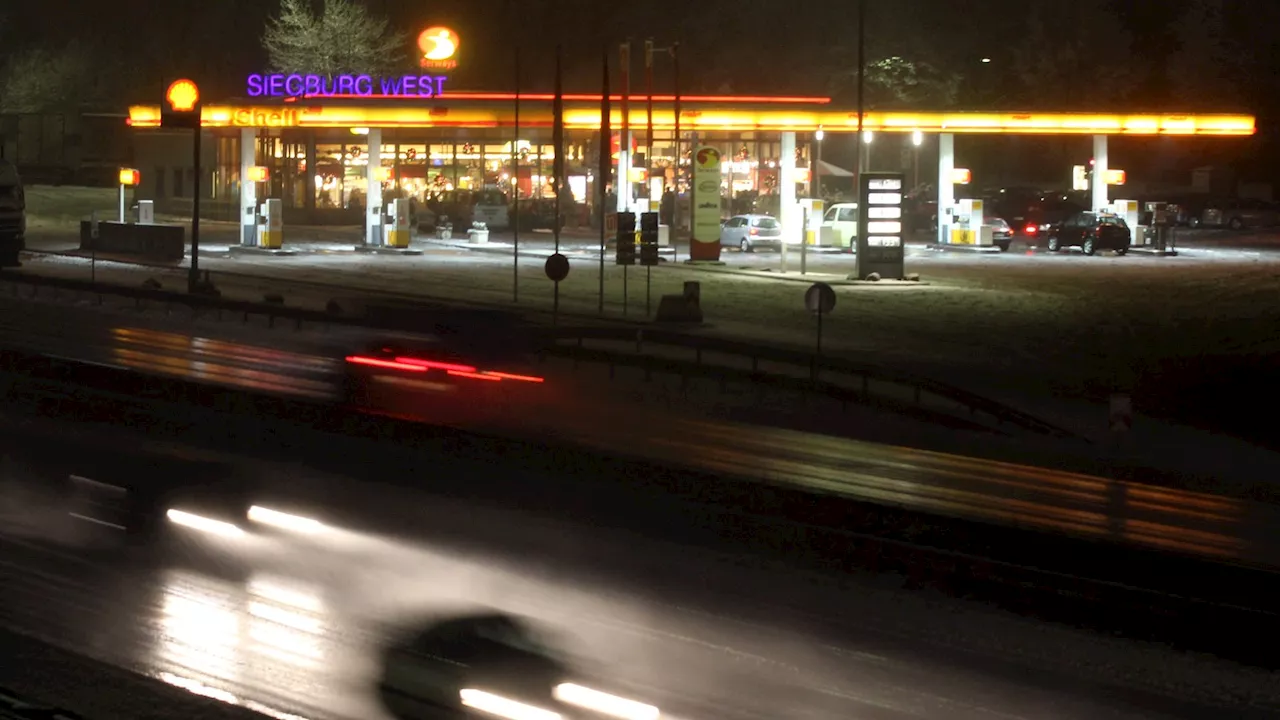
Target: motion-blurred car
pixel 494 664
pixel 748 232
pixel 442 380
pixel 1090 232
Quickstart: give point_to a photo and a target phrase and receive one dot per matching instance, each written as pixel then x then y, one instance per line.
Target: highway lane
pixel 292 624
pixel 1009 494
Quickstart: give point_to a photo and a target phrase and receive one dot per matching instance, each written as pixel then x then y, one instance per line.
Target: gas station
pixel 363 150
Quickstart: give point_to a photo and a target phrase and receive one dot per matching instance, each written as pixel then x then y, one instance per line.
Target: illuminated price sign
pixel 881 229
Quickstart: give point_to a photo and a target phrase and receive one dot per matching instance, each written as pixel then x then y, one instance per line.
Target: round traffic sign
pixel 820 298
pixel 557 267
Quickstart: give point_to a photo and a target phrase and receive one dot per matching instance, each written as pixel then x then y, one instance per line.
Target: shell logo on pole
pixel 708 157
pixel 706 205
pixel 439 46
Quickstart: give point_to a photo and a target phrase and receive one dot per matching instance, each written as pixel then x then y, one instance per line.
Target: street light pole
pixel 862 72
pixel 624 152
pixel 675 210
pixel 648 91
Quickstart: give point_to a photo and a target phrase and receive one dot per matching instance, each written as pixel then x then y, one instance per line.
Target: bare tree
pixel 45 80
pixel 1077 55
pixel 342 38
pixel 1200 71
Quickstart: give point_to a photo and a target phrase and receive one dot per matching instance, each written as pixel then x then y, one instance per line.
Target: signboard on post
pixel 706 205
pixel 880 231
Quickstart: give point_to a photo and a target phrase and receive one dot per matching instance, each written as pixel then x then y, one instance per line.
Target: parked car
pixel 1238 214
pixel 842 218
pixel 1043 214
pixel 748 232
pixel 1090 232
pixel 1001 233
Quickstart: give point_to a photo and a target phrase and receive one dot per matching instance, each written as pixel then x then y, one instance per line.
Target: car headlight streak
pixel 504 707
pixel 604 703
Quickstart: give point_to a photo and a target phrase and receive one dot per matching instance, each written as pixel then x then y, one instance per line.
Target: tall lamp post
pixel 674 52
pixel 817 163
pixel 917 139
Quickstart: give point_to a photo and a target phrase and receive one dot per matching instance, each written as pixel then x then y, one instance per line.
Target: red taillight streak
pixel 509 376
pixel 418 365
pixel 474 375
pixel 389 364
pixel 433 365
pixel 1030 230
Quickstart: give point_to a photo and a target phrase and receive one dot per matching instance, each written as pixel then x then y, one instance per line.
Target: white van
pixel 842 218
pixel 13 215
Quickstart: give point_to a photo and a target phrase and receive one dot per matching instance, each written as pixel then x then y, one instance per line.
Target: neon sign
pixel 298 85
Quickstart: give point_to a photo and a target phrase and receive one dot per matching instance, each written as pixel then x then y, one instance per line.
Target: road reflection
pixel 216 634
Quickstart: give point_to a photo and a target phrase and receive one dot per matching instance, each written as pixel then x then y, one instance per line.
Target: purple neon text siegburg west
pixel 298 85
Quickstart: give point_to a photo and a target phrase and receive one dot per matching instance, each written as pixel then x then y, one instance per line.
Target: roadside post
pixel 819 299
pixel 183 111
pixel 557 269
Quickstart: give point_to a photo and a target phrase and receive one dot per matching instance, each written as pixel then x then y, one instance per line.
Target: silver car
pixel 748 232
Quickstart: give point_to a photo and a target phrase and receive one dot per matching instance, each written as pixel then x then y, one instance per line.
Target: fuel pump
pixel 1127 210
pixel 375 223
pixel 811 210
pixel 399 231
pixel 970 227
pixel 271 224
pixel 1164 226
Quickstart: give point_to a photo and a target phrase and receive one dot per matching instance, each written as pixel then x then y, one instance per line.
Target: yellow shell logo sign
pixel 439 46
pixel 182 95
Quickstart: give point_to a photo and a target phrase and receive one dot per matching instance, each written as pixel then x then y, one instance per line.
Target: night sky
pixel 749 45
pixel 1137 55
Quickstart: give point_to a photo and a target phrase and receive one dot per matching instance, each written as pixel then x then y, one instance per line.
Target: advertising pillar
pixel 248 188
pixel 789 212
pixel 373 234
pixel 705 241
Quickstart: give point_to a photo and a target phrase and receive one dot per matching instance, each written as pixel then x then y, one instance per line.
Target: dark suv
pixel 1090 232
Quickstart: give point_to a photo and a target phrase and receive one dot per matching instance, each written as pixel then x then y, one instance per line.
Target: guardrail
pixel 686 355
pixel 805 371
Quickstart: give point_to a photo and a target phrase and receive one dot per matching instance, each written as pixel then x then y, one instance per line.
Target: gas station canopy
pixel 697 112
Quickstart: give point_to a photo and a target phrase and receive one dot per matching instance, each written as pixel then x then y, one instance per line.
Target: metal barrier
pixel 806 372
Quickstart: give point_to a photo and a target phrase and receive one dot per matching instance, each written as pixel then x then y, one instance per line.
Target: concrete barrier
pixel 152 242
